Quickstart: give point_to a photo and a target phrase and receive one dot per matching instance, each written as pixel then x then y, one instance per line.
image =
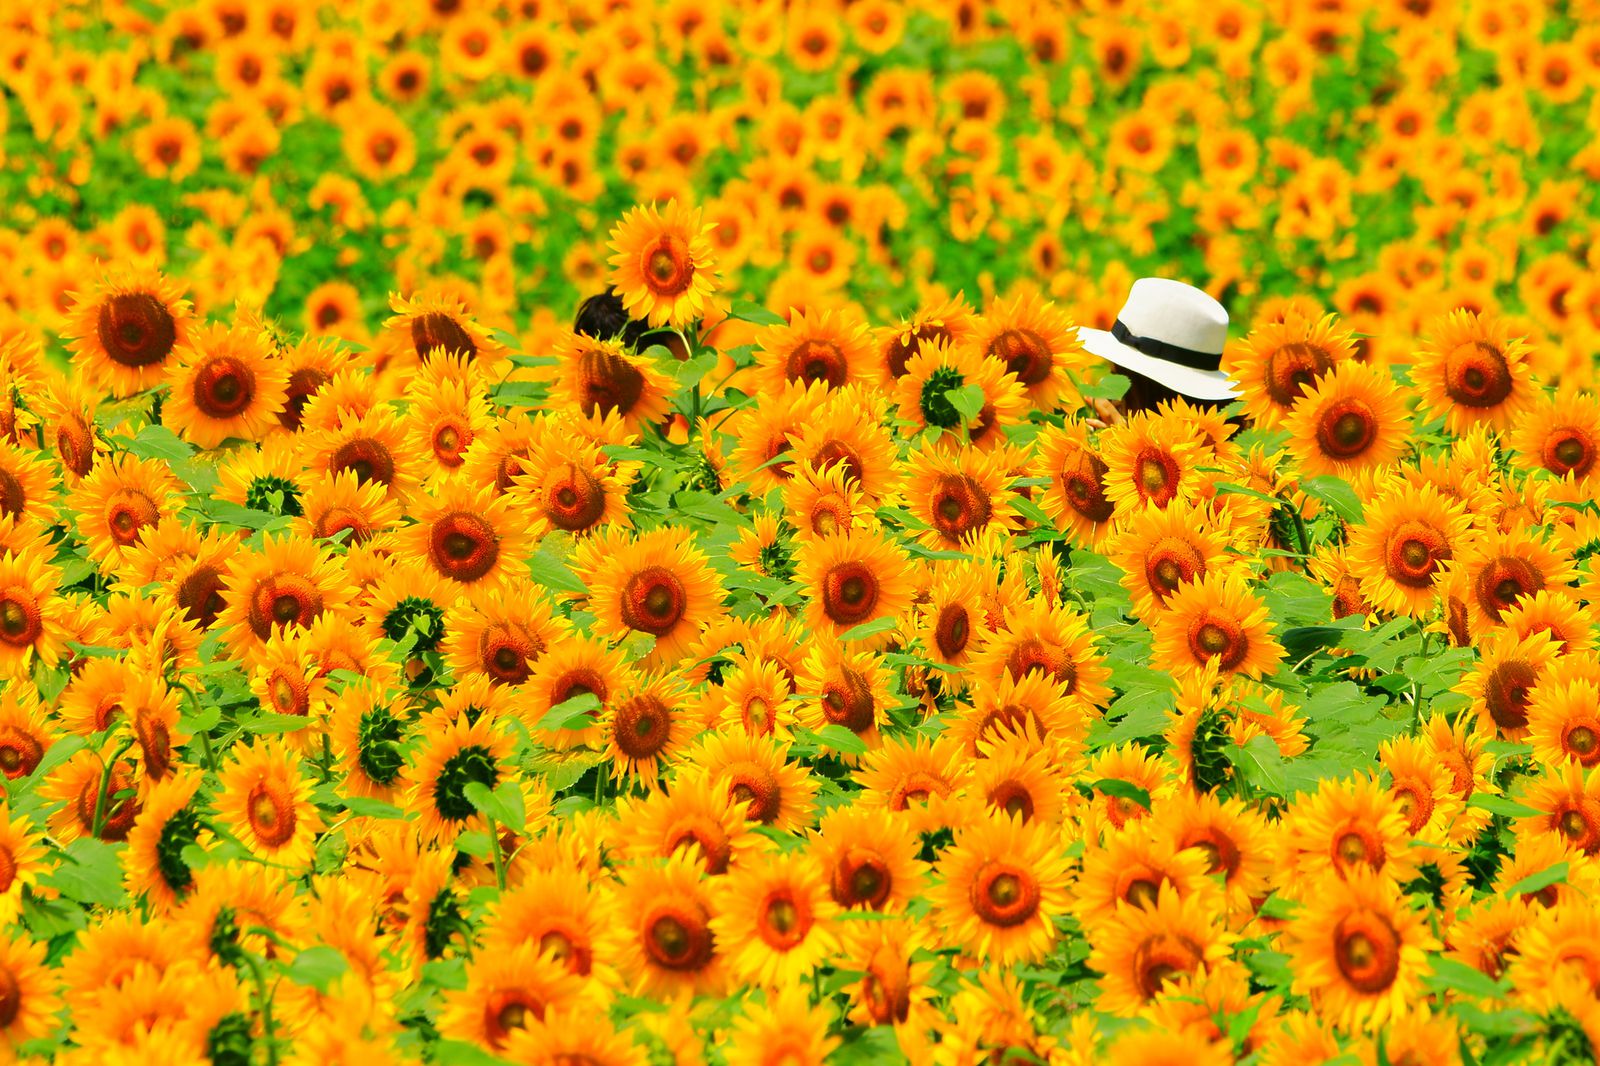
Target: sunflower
pixel 1052 640
pixel 26 486
pixel 1020 776
pixel 648 726
pixel 31 1001
pixel 1560 434
pixel 149 710
pixel 575 1035
pixel 1472 371
pixel 829 347
pixel 1003 886
pixel 429 324
pixel 845 431
pixel 450 756
pixel 763 434
pixel 1347 826
pixel 661 585
pixel 266 479
pixel 1150 461
pixel 1035 704
pixel 505 991
pixel 1235 840
pixel 265 799
pixel 757 773
pixel 21 863
pixel 1351 419
pixel 1140 950
pixel 694 816
pixel 1281 360
pixel 953 619
pixel 851 580
pixel 601 377
pixel 1557 947
pixel 120 499
pixel 1408 532
pixel 25 730
pixel 668 908
pixel 576 666
pixel 844 685
pixel 1075 497
pixel 340 506
pixel 870 858
pixel 32 616
pixel 1503 569
pixel 1568 622
pixel 785 1027
pixel 168 822
pixel 501 632
pixel 663 268
pixel 956 391
pixel 1129 867
pixel 565 912
pixel 958 493
pixel 1216 619
pixel 449 408
pixel 224 385
pixel 1162 550
pixel 1500 684
pixel 466 535
pixel 285 584
pixel 372 446
pixel 367 731
pixel 1564 721
pixel 76 785
pixel 1566 798
pixel 567 484
pixel 126 328
pixel 1359 951
pixel 949 322
pixel 774 918
pixel 1037 342
pixel 822 501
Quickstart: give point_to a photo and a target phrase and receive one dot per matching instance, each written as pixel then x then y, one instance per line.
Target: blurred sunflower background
pixel 585 532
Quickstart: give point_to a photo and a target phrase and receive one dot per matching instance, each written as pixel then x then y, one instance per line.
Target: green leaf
pixel 504 804
pixel 1228 488
pixel 870 629
pixel 576 713
pixel 461 1053
pixel 1110 786
pixel 553 574
pixel 1261 763
pixel 1031 511
pixel 158 442
pixel 269 724
pixel 56 754
pixel 1510 808
pixel 1552 875
pixel 367 807
pixel 1453 975
pixel 841 739
pixel 1336 493
pixel 92 873
pixel 746 311
pixel 233 514
pixel 318 966
pixel 968 400
pixel 520 394
pixel 1108 387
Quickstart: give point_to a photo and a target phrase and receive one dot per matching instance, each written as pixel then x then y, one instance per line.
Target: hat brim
pixel 1184 380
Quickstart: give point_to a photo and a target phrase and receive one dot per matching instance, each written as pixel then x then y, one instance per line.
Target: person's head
pixel 1167 341
pixel 603 317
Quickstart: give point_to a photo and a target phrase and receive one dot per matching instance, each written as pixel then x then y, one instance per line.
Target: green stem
pixel 205 735
pixel 268 1030
pixel 494 851
pixel 98 823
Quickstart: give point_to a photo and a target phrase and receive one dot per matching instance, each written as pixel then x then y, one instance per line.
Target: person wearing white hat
pixel 1167 340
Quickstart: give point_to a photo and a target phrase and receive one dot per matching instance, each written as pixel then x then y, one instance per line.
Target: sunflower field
pixel 813 661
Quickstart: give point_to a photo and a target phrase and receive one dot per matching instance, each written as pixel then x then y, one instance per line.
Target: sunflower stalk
pixel 494 852
pixel 269 1034
pixel 97 824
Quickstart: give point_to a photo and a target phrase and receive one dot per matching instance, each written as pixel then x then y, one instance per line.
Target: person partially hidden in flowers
pixel 602 317
pixel 1167 341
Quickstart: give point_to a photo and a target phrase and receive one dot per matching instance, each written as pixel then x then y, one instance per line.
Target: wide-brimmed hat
pixel 1171 333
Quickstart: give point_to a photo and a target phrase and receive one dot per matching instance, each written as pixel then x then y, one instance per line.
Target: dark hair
pixel 1146 394
pixel 603 317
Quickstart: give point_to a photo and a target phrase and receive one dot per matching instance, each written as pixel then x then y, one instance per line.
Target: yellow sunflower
pixel 431 324
pixel 32 615
pixel 1281 360
pixel 126 328
pixel 1216 619
pixel 451 755
pixel 1139 950
pixel 1566 798
pixel 757 773
pixel 1351 419
pixel 662 585
pixel 1501 682
pixel 168 822
pixel 568 484
pixel 265 799
pixel 31 1001
pixel 957 494
pixel 224 384
pixel 670 948
pixel 506 991
pixel 1037 342
pixel 775 918
pixel 1473 372
pixel 467 535
pixel 602 378
pixel 340 505
pixel 21 862
pixel 695 817
pixel 960 395
pixel 1003 885
pixel 1347 826
pixel 121 498
pixel 1406 534
pixel 663 267
pixel 1359 951
pixel 1560 434
pixel 501 632
pixel 1162 550
pixel 1503 569
pixel 1075 499
pixel 26 486
pixel 785 1028
pixel 285 584
pixel 852 580
pixel 830 347
pixel 1150 461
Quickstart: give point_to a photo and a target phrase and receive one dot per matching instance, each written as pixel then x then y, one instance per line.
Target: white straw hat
pixel 1171 333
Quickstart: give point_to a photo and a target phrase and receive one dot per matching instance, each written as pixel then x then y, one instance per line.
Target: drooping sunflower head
pixel 601 377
